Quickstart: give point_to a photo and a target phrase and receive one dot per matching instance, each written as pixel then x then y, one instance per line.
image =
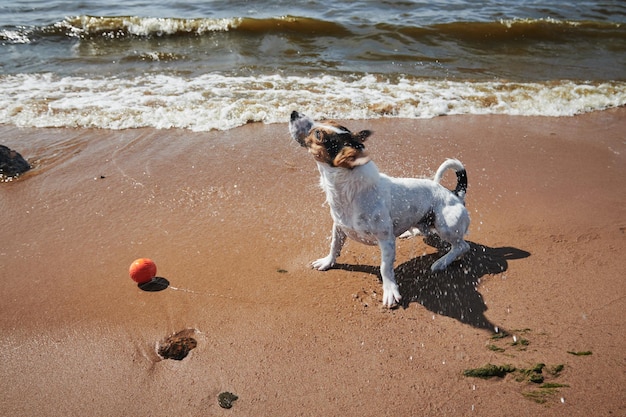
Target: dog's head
pixel 329 142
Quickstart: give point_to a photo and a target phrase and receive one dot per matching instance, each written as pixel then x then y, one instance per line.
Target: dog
pixel 373 208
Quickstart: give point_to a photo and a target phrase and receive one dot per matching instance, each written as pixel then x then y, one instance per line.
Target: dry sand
pixel 232 219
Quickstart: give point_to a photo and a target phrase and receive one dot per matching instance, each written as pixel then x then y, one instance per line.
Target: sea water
pixel 208 65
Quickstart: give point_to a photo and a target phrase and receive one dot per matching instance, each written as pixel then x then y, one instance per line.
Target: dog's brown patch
pixel 337 146
pixel 349 158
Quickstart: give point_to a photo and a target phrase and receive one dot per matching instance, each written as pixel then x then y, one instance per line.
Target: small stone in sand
pixel 11 163
pixel 177 346
pixel 226 399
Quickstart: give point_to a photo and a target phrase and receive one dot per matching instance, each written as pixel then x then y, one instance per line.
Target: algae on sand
pixel 556 369
pixel 532 374
pixel 500 335
pixel 495 348
pixel 544 392
pixel 489 371
pixel 580 353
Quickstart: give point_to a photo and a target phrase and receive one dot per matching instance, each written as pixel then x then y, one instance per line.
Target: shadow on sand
pixel 155 285
pixel 451 292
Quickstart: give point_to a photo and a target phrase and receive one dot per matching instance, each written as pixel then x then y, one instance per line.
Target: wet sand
pixel 232 219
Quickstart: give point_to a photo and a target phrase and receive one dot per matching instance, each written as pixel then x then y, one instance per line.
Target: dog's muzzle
pixel 299 126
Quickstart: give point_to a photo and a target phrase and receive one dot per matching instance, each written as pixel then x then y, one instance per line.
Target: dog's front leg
pixel 391 293
pixel 336 243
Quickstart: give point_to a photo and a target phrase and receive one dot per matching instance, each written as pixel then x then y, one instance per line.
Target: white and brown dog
pixel 373 208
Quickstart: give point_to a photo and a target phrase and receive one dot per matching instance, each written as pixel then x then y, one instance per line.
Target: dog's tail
pixel 461 176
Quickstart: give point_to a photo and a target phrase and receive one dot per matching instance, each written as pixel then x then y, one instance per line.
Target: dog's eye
pixel 318 135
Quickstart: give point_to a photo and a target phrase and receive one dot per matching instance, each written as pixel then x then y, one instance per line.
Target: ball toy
pixel 142 270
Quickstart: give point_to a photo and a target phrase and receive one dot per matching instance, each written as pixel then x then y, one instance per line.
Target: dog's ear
pixel 362 135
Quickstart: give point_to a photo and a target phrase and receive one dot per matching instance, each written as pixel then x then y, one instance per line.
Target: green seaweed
pixel 580 353
pixel 489 371
pixel 536 378
pixel 532 374
pixel 540 396
pixel 544 392
pixel 553 385
pixel 524 331
pixel 495 348
pixel 521 342
pixel 546 389
pixel 556 369
pixel 500 335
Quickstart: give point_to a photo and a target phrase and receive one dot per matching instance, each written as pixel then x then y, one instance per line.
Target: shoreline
pixel 232 218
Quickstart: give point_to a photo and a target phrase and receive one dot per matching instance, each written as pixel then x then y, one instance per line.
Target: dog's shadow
pixel 453 291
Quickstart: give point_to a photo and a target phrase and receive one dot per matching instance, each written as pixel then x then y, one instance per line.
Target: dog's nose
pixel 294 115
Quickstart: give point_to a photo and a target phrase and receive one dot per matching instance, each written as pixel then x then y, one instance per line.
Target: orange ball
pixel 142 270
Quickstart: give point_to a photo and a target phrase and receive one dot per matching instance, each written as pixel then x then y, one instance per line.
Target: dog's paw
pixel 391 295
pixel 323 264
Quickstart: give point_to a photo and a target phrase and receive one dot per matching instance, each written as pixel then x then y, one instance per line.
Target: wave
pixel 114 27
pixel 93 27
pixel 117 27
pixel 123 26
pixel 545 29
pixel 518 31
pixel 214 101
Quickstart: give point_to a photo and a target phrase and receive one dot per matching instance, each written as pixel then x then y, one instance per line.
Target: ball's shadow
pixel 154 285
pixel 453 291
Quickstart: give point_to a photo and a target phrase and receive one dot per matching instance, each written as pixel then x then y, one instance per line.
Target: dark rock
pixel 226 399
pixel 11 163
pixel 177 346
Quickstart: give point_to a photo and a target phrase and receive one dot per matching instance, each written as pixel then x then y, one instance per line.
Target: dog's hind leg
pixel 451 227
pixel 458 248
pixel 336 243
pixel 391 293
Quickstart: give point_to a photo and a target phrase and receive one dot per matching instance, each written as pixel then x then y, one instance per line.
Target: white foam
pixel 215 101
pixel 509 23
pixel 14 36
pixel 144 26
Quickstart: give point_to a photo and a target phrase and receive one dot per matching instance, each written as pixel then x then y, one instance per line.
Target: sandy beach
pixel 232 218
